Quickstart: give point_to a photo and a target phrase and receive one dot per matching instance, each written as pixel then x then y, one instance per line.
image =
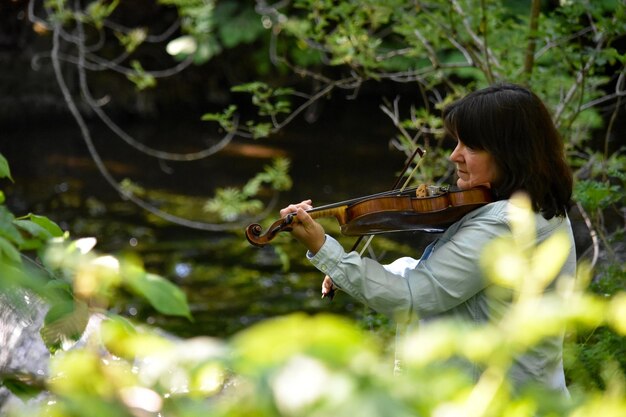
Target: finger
pixel 328 289
pixel 309 232
pixel 327 285
pixel 292 208
pixel 305 205
pixel 304 217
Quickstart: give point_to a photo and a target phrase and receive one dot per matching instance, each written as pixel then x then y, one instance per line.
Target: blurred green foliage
pixel 230 203
pixel 324 365
pixel 319 365
pixel 311 365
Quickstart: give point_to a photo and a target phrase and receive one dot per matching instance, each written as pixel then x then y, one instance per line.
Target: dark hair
pixel 514 126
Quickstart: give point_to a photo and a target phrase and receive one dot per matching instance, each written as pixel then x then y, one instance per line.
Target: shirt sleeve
pixel 447 278
pixel 363 278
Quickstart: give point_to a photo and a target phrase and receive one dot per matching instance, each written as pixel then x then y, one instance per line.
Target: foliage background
pixel 272 65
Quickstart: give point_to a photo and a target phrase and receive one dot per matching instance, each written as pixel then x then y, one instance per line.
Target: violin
pixel 424 208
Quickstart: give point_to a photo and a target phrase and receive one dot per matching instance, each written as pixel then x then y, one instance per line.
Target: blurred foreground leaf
pixel 163 295
pixel 65 322
pixel 330 338
pixel 23 385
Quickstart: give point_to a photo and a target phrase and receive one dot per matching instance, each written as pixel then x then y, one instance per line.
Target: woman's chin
pixel 466 185
pixel 463 185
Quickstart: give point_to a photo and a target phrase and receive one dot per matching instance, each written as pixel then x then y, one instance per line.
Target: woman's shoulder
pixel 497 210
pixel 501 212
pixel 489 216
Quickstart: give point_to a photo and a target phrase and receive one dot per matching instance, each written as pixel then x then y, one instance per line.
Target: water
pixel 229 283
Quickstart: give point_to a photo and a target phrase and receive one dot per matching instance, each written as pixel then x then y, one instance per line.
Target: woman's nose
pixel 455 156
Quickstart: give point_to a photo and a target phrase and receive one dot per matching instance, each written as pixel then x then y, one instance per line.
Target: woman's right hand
pixel 306 230
pixel 328 287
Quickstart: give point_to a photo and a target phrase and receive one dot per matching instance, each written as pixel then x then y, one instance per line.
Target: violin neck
pixel 346 203
pixel 337 211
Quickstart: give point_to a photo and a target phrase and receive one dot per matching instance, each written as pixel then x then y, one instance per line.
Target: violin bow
pixel 406 183
pixel 417 151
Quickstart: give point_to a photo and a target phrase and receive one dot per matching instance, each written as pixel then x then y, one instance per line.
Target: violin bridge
pixel 421 191
pixel 424 191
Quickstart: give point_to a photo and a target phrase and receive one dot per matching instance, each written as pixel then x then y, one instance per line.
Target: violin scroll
pixel 256 237
pixel 253 234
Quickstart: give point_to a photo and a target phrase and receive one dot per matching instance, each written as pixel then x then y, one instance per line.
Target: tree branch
pixel 529 59
pixel 86 134
pixel 485 42
pixel 579 80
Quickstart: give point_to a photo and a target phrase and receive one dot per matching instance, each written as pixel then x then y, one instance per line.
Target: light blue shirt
pixel 448 282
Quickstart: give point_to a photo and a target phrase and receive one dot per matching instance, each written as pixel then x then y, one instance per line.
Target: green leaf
pixel 133 39
pixel 7 227
pixel 98 11
pixel 260 130
pixel 595 195
pixel 65 321
pixel 8 251
pixel 164 296
pixel 328 337
pixel 229 203
pixel 58 290
pixel 39 228
pixel 5 171
pixel 140 77
pixel 225 119
pixel 51 227
pixel 33 229
pixel 24 386
pixel 254 87
pixel 237 26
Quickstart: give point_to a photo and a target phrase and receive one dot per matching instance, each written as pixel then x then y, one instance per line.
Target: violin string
pixel 402 189
pixel 398 191
pixel 393 191
pixel 417 151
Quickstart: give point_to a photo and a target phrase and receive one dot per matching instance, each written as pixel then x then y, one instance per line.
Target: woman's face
pixel 473 167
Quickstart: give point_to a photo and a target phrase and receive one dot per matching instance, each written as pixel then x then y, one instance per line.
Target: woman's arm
pixel 449 276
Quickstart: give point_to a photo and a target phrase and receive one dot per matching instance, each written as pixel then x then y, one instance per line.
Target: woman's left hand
pixel 306 230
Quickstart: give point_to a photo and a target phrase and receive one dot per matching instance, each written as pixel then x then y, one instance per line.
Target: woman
pixel 506 141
